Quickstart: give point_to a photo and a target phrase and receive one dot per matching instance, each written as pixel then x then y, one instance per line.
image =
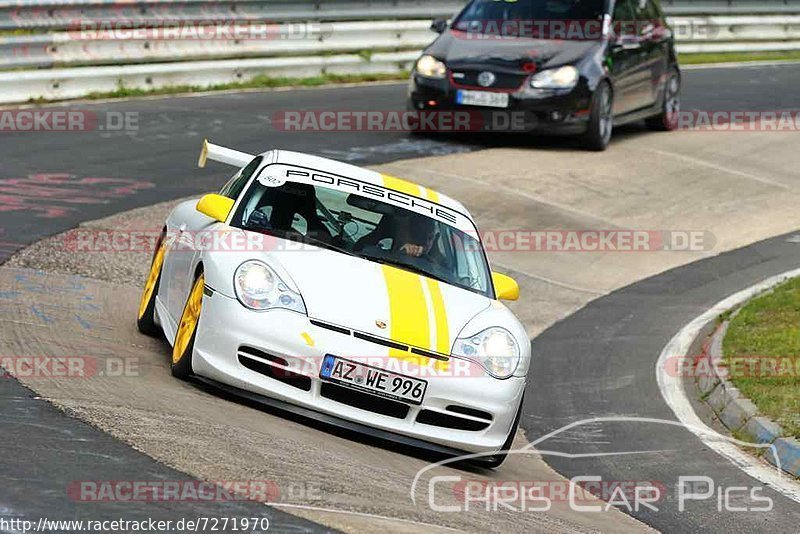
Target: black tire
pixel 182 363
pixel 667 120
pixel 146 322
pixel 601 119
pixel 495 461
pixel 183 368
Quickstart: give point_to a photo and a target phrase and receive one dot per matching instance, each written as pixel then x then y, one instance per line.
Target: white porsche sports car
pixel 339 293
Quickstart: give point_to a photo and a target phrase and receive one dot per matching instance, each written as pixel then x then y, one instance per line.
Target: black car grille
pixel 469 78
pixel 364 401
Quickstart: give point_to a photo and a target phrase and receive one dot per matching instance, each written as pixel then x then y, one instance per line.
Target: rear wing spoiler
pixel 223 155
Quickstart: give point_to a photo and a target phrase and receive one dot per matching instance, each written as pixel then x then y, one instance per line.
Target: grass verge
pixel 736 57
pixel 762 351
pixel 259 82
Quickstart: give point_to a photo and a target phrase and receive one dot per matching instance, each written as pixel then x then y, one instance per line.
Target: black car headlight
pixel 430 67
pixel 561 78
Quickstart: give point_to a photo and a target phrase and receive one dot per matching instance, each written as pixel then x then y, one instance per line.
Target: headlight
pixel 561 78
pixel 431 67
pixel 258 287
pixel 494 348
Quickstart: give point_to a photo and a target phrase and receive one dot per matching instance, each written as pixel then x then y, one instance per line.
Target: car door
pixel 654 41
pixel 191 239
pixel 628 74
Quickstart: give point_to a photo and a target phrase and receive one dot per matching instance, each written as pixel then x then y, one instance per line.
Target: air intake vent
pixel 429 417
pixel 252 359
pixel 472 412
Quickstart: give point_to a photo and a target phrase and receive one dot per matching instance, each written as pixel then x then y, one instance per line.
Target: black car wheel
pixel 601 119
pixel 667 120
pixel 146 318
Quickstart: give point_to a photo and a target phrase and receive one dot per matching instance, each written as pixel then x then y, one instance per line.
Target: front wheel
pixel 146 319
pixel 667 120
pixel 601 119
pixel 183 347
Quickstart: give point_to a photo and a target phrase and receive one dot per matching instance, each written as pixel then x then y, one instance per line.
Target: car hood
pixel 460 50
pixel 380 300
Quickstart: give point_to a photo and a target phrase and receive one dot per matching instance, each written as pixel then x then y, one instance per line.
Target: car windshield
pixel 368 228
pixel 527 18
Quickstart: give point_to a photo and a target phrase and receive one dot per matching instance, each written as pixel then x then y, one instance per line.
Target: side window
pixel 624 18
pixel 650 13
pixel 623 10
pixel 235 185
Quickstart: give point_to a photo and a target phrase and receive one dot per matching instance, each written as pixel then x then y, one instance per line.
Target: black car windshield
pixel 541 19
pixel 351 224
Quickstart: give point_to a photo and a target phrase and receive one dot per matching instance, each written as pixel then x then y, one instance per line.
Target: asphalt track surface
pixel 137 168
pixel 147 166
pixel 601 361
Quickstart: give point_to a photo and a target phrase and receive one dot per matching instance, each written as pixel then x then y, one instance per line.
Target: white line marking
pixel 360 514
pixel 671 388
pixel 720 168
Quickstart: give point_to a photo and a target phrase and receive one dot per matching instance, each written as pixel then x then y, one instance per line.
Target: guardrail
pixel 65 14
pixel 308 39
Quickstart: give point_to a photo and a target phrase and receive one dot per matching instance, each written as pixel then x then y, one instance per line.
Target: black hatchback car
pixel 576 67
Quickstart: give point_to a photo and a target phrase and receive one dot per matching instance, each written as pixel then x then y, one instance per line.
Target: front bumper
pixel 244 349
pixel 530 110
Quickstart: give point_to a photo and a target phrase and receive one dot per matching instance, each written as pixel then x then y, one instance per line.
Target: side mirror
pixel 505 287
pixel 215 206
pixel 439 25
pixel 625 42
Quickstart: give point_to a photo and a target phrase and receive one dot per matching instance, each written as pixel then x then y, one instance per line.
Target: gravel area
pixel 70 252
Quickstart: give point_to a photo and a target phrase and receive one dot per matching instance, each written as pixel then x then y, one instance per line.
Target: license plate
pixel 482 98
pixel 373 380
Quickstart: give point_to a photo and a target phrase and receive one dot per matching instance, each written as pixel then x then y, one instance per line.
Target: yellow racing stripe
pixel 409 188
pixel 432 195
pixel 408 310
pixel 400 185
pixel 440 317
